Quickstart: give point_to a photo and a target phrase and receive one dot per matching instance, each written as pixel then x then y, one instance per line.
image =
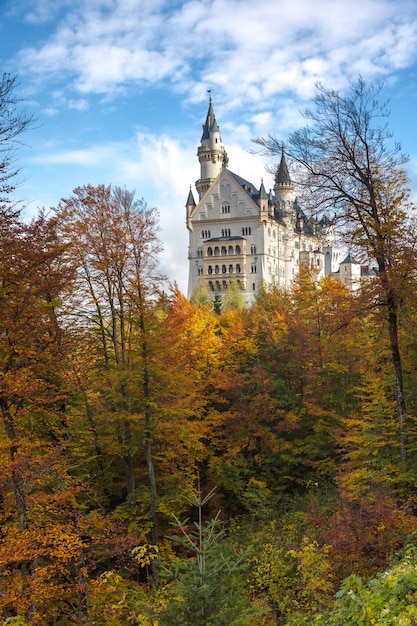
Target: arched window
pixel 230 269
pixel 237 249
pixel 224 285
pixel 211 286
pixel 216 269
pixel 238 269
pixel 226 208
pixel 224 251
pixel 209 251
pixel 210 269
pixel 253 249
pixel 216 251
pixel 223 269
pixel 230 250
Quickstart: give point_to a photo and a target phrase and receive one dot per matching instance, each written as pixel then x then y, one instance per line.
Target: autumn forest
pixel 167 461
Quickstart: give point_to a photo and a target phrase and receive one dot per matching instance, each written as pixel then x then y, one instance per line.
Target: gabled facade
pixel 237 230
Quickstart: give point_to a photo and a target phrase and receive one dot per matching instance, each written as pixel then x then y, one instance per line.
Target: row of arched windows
pixel 226 232
pixel 224 269
pixel 216 251
pixel 226 208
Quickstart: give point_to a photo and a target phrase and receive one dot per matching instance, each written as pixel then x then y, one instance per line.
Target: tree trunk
pixel 128 459
pixel 398 369
pixel 392 318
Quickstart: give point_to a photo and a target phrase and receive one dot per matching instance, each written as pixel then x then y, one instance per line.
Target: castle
pixel 237 231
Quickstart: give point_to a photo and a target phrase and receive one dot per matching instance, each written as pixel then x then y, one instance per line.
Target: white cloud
pixel 168 167
pixel 89 156
pixel 79 105
pixel 269 48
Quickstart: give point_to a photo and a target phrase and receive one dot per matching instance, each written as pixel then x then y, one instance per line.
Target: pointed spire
pixel 349 260
pixel 190 199
pixel 262 191
pixel 282 176
pixel 210 121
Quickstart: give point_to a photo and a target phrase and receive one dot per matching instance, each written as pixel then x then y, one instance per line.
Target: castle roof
pixel 262 192
pixel 303 224
pixel 349 259
pixel 250 188
pixel 210 123
pixel 190 199
pixel 282 176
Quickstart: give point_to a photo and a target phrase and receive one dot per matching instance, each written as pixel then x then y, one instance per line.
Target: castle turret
pixel 284 190
pixel 350 273
pixel 211 153
pixel 263 201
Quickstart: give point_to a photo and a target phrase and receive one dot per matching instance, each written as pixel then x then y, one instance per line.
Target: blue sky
pixel 119 87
